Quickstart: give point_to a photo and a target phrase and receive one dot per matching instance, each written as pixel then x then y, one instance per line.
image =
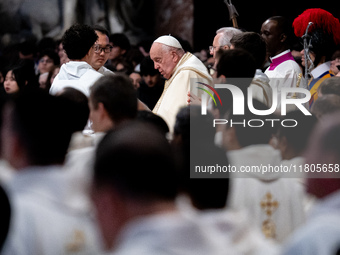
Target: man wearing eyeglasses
pixel 80 43
pixel 222 39
pixel 100 51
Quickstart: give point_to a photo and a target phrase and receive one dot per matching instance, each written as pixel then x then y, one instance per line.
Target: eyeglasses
pixel 98 49
pixel 212 48
pixel 45 60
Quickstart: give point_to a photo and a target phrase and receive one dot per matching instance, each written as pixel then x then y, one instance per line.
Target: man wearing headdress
pixel 322 37
pixel 178 68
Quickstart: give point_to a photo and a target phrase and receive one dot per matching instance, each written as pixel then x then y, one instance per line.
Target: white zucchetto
pixel 169 40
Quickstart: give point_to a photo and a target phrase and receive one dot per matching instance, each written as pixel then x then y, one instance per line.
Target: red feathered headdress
pixel 321 19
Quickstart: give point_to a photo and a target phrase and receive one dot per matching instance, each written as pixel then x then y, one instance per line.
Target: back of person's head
pixel 330 86
pixel 253 43
pixel 325 105
pixel 120 40
pixel 247 131
pixel 147 67
pixel 238 67
pixel 298 136
pixel 5 216
pixel 137 161
pixel 154 119
pixel 101 29
pixel 117 94
pixel 227 34
pixel 80 108
pixel 77 41
pixel 40 123
pixel 191 116
pixel 236 63
pixel 194 146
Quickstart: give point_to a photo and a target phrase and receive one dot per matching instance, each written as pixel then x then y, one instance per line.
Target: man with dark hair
pixel 102 49
pixel 156 120
pixel 35 141
pixel 80 109
pixel 236 67
pixel 255 45
pixel 78 42
pixel 283 70
pixel 112 101
pixel 229 69
pixel 137 213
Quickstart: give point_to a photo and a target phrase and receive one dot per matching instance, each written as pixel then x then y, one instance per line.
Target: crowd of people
pixel 112 148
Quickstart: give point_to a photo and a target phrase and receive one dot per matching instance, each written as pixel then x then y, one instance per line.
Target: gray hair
pixel 227 34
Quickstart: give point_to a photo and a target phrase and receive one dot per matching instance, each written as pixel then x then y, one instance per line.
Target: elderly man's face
pixel 164 61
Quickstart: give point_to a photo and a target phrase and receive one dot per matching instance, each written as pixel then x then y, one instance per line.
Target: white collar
pixel 319 70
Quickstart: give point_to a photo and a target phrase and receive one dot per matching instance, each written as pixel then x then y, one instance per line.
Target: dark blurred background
pixel 213 14
pixel 195 21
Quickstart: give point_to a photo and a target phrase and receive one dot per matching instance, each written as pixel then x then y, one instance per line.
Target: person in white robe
pixel 112 102
pixel 258 184
pixel 180 69
pixel 137 214
pixel 35 146
pixel 283 70
pixel 78 42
